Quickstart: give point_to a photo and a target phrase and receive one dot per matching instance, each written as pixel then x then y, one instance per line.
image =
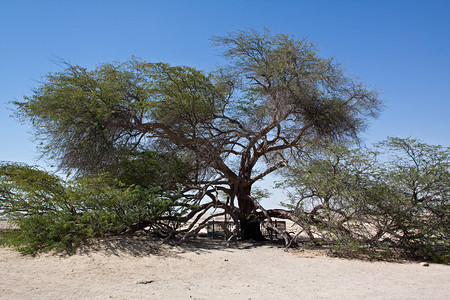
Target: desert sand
pixel 143 268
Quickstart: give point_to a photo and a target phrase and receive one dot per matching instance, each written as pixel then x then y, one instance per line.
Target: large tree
pixel 236 125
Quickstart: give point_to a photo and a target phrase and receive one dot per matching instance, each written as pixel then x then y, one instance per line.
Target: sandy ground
pixel 142 268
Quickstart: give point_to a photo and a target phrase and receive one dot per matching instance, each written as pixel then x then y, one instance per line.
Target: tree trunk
pixel 249 223
pixel 251 230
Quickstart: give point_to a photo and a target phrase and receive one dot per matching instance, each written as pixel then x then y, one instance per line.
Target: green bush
pixel 390 201
pixel 54 214
pixel 419 211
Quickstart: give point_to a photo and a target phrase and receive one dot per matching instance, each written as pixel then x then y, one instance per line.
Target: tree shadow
pixel 145 245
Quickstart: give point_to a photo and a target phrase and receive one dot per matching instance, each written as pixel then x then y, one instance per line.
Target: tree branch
pixel 279 165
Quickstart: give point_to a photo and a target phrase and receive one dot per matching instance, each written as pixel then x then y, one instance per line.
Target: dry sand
pixel 142 268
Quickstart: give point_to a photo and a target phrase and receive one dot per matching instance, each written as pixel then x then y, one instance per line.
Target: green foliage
pixel 79 109
pixel 350 196
pixel 281 75
pixel 334 189
pixel 186 97
pixel 53 214
pixel 150 168
pixel 260 194
pixel 420 175
pixel 84 119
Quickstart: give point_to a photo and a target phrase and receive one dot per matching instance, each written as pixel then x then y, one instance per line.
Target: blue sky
pixel 400 47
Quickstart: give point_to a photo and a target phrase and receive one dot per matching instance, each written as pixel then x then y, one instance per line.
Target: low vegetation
pixel 55 214
pixel 380 202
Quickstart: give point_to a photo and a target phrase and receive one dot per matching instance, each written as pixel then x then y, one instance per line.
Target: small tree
pixel 236 125
pixel 335 194
pixel 420 213
pixel 361 200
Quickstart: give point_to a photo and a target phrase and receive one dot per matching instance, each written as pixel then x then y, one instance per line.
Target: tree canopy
pixel 254 115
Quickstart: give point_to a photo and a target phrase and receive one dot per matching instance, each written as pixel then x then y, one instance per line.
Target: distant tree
pixel 235 126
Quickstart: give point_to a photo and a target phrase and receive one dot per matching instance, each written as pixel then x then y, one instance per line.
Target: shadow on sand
pixel 145 245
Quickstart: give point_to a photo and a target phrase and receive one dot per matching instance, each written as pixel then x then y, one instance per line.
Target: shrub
pixel 419 212
pixel 360 201
pixel 54 214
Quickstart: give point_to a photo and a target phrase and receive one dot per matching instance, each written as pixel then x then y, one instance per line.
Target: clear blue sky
pixel 400 47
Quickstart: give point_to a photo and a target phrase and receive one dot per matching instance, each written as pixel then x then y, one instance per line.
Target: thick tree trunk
pixel 248 219
pixel 251 230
